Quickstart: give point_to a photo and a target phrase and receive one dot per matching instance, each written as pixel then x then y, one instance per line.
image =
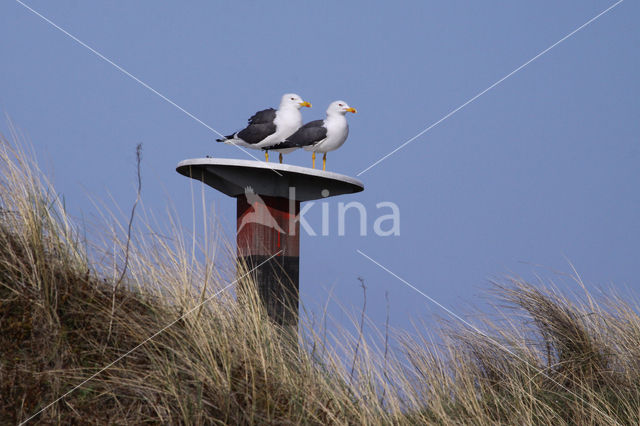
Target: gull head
pixel 292 100
pixel 339 107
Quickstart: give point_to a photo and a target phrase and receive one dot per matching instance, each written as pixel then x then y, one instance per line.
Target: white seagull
pixel 269 127
pixel 321 135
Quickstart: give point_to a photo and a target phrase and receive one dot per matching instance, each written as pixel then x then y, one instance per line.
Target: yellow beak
pixel 305 104
pixel 353 110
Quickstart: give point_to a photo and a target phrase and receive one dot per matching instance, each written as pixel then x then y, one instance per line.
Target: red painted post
pixel 266 226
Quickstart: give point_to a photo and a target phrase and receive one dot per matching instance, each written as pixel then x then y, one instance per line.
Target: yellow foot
pixel 313 158
pixel 324 161
pixel 280 157
pixel 266 156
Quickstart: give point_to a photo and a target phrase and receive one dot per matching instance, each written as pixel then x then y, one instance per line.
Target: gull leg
pixel 280 157
pixel 324 161
pixel 266 156
pixel 313 157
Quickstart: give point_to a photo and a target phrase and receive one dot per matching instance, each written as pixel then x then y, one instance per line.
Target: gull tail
pixel 226 138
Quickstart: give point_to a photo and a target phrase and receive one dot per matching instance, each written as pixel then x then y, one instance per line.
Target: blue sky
pixel 540 171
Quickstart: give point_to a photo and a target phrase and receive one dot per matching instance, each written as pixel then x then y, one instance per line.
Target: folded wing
pixel 307 135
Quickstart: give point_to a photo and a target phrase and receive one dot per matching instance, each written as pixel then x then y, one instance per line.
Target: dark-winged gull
pixel 321 135
pixel 269 127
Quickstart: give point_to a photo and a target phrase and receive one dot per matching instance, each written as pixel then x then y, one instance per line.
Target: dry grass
pixel 553 360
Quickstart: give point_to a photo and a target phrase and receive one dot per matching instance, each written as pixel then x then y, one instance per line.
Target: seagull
pixel 269 127
pixel 321 135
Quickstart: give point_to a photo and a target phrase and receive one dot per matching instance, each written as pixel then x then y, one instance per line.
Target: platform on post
pixel 268 204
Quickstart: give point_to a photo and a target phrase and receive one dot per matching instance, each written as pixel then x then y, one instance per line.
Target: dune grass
pixel 549 359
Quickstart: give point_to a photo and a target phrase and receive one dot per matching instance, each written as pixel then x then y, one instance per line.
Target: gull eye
pixel 293 99
pixel 340 105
